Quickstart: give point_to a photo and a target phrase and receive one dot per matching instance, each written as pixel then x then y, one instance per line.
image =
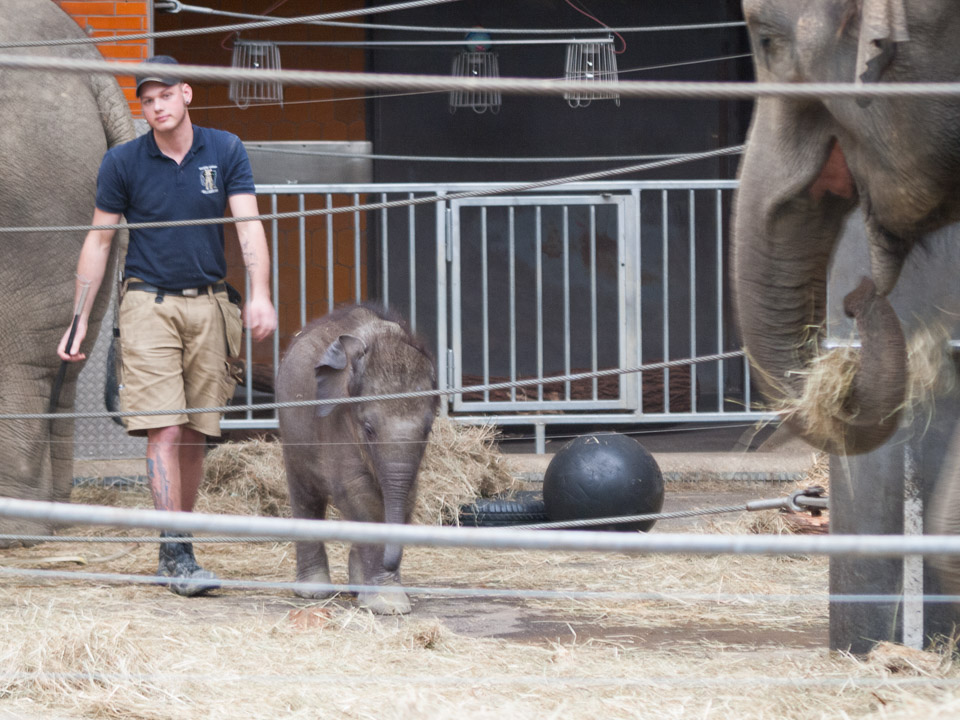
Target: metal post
pixel 912 564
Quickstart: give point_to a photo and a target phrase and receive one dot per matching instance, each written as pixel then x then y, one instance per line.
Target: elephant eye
pixel 368 430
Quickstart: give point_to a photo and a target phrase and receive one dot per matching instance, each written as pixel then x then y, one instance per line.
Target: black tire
pixel 526 509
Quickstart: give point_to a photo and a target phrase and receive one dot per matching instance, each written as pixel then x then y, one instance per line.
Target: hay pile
pixel 461 463
pixel 245 478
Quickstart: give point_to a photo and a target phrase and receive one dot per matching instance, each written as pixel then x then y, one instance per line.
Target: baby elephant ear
pixel 333 370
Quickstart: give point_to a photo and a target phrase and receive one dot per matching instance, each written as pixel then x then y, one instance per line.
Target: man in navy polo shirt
pixel 178 329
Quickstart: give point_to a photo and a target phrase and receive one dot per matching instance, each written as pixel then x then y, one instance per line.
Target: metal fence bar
pixel 485 294
pixel 638 276
pixel 566 300
pixel 594 301
pixel 357 253
pixel 443 249
pixel 538 252
pixel 330 255
pixel 384 253
pixel 512 256
pixel 719 257
pixel 302 240
pixel 275 288
pixel 665 280
pixel 693 298
pixel 412 261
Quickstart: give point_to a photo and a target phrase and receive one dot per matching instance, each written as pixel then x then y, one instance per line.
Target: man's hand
pixel 259 317
pixel 74 355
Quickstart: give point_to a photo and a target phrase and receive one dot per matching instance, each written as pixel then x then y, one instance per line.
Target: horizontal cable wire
pixel 754 505
pixel 389 396
pixel 524 437
pixel 426 200
pixel 433 536
pixel 259 24
pixel 484 592
pixel 404 681
pixel 383 96
pixel 451 158
pixel 178 6
pixel 528 86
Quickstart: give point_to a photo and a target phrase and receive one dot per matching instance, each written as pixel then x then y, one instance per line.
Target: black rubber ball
pixel 603 475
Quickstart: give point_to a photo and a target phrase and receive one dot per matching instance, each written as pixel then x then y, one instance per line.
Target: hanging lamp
pixel 255 55
pixel 479 62
pixel 590 62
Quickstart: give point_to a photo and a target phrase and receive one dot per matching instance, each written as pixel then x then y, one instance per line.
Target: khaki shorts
pixel 174 355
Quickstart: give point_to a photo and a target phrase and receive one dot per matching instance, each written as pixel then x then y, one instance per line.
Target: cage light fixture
pixel 255 55
pixel 480 64
pixel 590 62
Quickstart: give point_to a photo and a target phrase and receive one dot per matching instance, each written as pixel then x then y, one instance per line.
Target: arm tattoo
pixel 249 256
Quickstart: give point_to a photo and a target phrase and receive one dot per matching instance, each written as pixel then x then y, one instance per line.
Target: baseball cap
pixel 162 79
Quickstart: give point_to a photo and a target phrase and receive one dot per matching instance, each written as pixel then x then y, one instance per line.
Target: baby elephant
pixel 363 457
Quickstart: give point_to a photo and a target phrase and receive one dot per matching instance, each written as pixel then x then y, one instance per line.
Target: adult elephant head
pixel 809 163
pixel 54 130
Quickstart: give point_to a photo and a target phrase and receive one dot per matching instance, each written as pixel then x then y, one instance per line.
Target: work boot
pixel 177 560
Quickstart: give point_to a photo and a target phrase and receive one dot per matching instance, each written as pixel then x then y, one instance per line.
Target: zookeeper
pixel 177 322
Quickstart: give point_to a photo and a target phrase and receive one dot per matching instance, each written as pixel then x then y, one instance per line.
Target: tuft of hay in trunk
pixel 820 408
pixel 461 463
pixel 827 382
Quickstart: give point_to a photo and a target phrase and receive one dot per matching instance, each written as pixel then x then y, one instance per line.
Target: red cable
pixel 265 12
pixel 600 22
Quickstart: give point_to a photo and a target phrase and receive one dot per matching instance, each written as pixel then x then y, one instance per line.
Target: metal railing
pixel 580 277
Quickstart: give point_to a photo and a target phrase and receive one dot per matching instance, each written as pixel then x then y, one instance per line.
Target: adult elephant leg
pixel 795 194
pixel 35 464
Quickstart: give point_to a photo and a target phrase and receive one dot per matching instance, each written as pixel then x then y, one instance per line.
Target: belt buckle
pixel 190 292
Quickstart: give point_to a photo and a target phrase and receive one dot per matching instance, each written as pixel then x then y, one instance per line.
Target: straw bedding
pixel 81 650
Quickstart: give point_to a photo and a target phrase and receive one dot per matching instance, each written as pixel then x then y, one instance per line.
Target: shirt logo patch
pixel 208 179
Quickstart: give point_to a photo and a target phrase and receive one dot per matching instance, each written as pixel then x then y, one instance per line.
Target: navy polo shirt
pixel 145 185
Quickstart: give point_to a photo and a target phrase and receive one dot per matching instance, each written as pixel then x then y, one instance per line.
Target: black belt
pixel 182 292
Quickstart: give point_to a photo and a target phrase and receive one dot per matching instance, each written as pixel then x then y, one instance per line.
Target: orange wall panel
pixel 115 19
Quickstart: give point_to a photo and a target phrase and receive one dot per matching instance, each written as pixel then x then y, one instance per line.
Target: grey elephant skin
pixel 363 457
pixel 808 164
pixel 54 130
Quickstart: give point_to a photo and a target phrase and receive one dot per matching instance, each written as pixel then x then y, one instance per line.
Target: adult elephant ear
pixel 883 24
pixel 334 368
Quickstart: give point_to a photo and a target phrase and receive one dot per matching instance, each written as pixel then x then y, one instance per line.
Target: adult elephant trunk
pixel 795 193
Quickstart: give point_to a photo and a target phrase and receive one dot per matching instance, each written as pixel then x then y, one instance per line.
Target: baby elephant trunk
pixel 392 554
pixel 397 487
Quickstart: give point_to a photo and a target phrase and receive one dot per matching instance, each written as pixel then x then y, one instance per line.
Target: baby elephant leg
pixel 312 565
pixel 366 568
